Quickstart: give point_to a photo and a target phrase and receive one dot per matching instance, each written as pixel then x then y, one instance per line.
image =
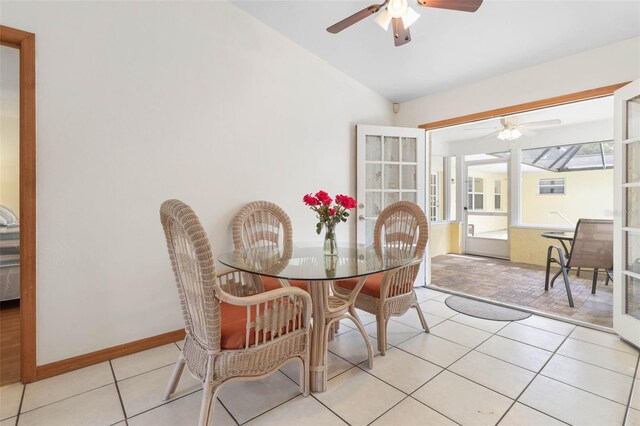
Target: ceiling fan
pixel 509 128
pixel 401 15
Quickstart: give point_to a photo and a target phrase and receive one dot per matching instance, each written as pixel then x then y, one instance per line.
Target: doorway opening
pixel 23 43
pixel 520 178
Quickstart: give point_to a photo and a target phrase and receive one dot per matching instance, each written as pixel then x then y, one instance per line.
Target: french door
pixel 486 212
pixel 391 166
pixel 626 255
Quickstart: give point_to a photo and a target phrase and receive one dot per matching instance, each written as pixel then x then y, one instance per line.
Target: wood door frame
pixel 25 42
pixel 528 106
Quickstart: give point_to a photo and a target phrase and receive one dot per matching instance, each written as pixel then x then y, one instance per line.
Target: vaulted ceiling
pixel 449 48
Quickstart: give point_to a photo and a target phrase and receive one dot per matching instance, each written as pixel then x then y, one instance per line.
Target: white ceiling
pixel 449 48
pixel 9 81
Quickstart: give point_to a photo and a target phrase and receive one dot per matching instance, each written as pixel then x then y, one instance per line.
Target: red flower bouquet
pixel 329 215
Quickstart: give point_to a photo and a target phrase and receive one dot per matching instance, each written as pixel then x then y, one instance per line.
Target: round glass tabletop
pixel 308 263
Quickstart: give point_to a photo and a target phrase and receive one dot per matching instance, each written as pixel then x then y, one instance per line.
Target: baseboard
pixel 81 361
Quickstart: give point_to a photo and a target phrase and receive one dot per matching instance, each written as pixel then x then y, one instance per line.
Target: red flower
pixel 346 201
pixel 324 198
pixel 310 200
pixel 332 212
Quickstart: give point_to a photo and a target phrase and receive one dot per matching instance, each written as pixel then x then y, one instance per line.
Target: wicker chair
pixel 264 224
pixel 401 227
pixel 592 247
pixel 227 337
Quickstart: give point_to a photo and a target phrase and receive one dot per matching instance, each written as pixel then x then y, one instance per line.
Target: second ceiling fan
pixel 401 16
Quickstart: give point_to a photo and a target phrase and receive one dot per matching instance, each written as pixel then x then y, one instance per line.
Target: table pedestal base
pixel 319 291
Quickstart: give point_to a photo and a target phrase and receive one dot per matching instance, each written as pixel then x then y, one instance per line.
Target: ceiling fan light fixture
pixel 509 134
pixel 397 8
pixel 383 19
pixel 410 17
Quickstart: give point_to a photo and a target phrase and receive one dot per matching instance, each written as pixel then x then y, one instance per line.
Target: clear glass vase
pixel 330 245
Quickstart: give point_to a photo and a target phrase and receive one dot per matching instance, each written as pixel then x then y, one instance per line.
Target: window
pixel 451 187
pixel 497 195
pixel 475 193
pixel 437 191
pixel 551 186
pixel 563 183
pixel 434 197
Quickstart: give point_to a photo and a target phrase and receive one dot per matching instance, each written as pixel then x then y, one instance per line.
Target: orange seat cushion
pixel 233 327
pixel 371 286
pixel 271 283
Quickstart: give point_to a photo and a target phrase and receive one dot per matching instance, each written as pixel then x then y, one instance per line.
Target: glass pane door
pixel 626 317
pixel 390 167
pixel 486 212
pixel 390 162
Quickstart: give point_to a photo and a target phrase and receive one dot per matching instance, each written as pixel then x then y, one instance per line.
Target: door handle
pixel 362 217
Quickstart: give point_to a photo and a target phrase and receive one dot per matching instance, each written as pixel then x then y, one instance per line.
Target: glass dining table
pixel 306 262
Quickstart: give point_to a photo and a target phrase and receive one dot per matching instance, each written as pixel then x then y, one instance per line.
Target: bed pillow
pixel 7 217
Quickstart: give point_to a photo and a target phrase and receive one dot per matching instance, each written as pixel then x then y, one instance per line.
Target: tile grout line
pixel 486 387
pixel 115 381
pixel 633 385
pixel 327 407
pixel 566 337
pixel 603 346
pixel 68 397
pixel 465 378
pixel 539 372
pixel 590 363
pixel 164 403
pixel 532 380
pixel 24 390
pixel 431 408
pixel 226 409
pixel 140 374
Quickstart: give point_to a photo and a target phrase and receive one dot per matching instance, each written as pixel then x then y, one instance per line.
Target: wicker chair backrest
pixel 402 229
pixel 194 270
pixel 262 224
pixel 402 226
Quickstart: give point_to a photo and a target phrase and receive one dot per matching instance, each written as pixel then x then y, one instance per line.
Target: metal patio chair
pixel 592 248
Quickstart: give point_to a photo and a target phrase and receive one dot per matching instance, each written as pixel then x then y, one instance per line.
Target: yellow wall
pixel 439 239
pixel 444 238
pixel 455 238
pixel 9 163
pixel 588 194
pixel 526 245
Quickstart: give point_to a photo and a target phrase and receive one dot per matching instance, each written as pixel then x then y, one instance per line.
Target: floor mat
pixel 484 310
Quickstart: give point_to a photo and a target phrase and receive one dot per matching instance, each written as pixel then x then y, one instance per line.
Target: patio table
pixel 308 263
pixel 565 237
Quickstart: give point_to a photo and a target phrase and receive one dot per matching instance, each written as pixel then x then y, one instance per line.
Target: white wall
pixel 139 102
pixel 612 64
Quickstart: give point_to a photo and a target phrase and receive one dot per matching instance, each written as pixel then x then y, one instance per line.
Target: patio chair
pixel 229 338
pixel 264 224
pixel 402 226
pixel 592 247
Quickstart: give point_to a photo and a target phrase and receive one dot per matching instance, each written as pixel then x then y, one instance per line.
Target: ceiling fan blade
pixel 401 35
pixel 355 18
pixel 484 128
pixel 460 5
pixel 540 123
pixel 496 133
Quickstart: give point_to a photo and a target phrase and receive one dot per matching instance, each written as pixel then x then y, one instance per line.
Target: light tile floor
pixel 467 371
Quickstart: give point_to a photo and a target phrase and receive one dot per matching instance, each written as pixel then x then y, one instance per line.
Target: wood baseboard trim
pixel 81 361
pixel 529 106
